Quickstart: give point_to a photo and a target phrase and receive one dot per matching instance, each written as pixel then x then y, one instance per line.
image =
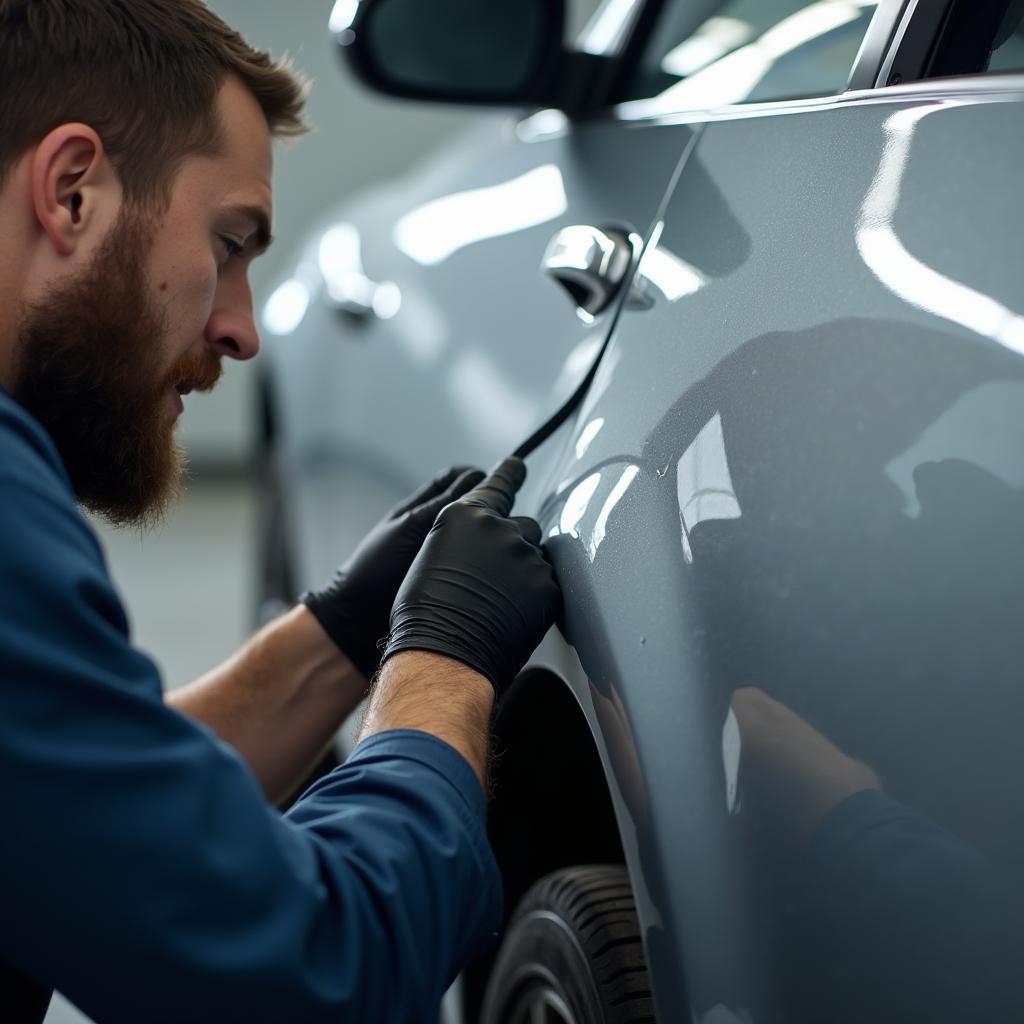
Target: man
pixel 142 869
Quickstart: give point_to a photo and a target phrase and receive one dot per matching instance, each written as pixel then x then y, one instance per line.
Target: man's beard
pixel 90 370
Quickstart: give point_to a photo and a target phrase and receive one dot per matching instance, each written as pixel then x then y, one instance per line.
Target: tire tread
pixel 596 902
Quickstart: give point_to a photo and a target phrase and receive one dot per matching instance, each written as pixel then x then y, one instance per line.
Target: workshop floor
pixel 188 590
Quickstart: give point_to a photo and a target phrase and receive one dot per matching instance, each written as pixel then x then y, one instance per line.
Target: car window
pixel 967 37
pixel 1008 51
pixel 749 51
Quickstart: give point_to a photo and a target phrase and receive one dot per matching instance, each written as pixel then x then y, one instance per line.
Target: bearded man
pixel 144 870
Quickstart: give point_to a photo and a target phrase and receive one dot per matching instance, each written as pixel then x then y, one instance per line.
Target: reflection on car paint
pixel 981 427
pixel 864 688
pixel 669 273
pixel 482 393
pixel 587 435
pixel 422 331
pixel 618 492
pixel 342 15
pixel 732 746
pixel 602 381
pixel 886 908
pixel 576 364
pixel 608 26
pixel 907 276
pixel 575 507
pixel 733 77
pixel 286 307
pixel 703 482
pixel 544 124
pixel 433 232
pixel 872 580
pixel 339 257
pixel 570 518
pixel 723 1015
pixel 712 41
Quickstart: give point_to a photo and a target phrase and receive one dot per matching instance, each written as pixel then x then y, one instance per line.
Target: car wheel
pixel 572 954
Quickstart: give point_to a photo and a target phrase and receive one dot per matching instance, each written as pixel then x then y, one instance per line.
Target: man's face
pixel 106 353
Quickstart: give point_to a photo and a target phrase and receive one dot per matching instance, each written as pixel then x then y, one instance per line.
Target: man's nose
pixel 231 330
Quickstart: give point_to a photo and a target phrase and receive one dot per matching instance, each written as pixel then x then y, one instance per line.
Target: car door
pixel 418 329
pixel 790 514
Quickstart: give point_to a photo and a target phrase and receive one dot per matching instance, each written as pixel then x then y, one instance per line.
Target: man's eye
pixel 231 247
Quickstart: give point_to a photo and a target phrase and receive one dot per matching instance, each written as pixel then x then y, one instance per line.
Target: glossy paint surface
pixel 787 518
pixel 790 516
pixel 477 346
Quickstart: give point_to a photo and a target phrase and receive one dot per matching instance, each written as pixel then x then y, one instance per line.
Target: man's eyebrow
pixel 258 215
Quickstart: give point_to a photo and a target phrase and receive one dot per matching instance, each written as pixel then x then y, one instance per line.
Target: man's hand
pixel 480 590
pixel 353 608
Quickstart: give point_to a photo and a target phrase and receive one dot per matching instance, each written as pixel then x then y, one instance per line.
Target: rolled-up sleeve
pixel 142 872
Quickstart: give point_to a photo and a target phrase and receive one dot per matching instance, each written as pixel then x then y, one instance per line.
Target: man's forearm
pixel 278 701
pixel 437 695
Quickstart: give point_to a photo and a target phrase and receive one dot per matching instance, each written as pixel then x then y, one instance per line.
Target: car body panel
pixel 799 468
pixel 496 352
pixel 815 461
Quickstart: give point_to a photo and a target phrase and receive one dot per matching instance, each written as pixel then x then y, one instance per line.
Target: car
pixel 742 280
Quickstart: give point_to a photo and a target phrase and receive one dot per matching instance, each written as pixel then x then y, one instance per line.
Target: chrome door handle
pixel 349 291
pixel 590 263
pixel 352 293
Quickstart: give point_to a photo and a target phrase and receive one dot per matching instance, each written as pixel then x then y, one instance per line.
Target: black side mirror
pixel 494 52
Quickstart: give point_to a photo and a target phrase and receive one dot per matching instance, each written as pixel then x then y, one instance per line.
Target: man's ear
pixel 73 186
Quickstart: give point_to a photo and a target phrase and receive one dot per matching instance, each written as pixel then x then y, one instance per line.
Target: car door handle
pixel 349 291
pixel 590 263
pixel 352 294
pixel 363 301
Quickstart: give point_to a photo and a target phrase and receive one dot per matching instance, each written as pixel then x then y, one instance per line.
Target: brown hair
pixel 144 74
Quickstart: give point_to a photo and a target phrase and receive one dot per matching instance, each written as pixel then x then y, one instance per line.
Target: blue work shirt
pixel 142 872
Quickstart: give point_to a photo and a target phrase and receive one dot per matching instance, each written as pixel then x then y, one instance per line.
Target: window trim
pixel 913 48
pixel 912 42
pixel 877 44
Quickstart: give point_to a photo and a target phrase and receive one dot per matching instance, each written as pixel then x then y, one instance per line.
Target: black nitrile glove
pixel 480 590
pixel 353 608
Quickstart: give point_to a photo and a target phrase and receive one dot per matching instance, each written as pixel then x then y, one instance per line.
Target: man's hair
pixel 143 74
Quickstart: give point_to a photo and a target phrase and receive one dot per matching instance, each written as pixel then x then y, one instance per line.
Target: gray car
pixel 748 276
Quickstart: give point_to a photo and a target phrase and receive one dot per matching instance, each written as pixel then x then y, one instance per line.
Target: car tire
pixel 572 954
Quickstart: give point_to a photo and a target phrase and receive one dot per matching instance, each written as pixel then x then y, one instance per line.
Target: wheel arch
pixel 550 804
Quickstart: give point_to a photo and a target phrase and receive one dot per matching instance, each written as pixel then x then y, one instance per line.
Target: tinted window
pixel 1008 52
pixel 750 50
pixel 967 38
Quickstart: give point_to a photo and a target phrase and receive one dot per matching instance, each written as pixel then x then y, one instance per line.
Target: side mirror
pixel 493 52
